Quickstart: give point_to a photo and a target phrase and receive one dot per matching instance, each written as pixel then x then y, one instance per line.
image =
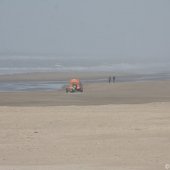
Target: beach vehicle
pixel 75 86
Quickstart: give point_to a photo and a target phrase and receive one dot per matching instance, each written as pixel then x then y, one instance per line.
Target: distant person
pixel 114 79
pixel 110 79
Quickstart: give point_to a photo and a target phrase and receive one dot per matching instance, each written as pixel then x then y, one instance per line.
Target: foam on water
pixel 26 64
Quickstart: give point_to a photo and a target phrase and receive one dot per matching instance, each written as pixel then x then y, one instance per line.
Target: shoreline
pixel 50 81
pixel 128 89
pixel 94 94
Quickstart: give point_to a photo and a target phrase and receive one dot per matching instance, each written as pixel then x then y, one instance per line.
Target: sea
pixel 16 64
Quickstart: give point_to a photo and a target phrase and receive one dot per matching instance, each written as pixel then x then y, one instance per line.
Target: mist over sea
pixel 25 64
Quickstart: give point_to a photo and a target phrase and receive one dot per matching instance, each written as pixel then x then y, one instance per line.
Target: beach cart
pixel 75 86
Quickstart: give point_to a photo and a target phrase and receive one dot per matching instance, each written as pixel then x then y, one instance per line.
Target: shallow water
pixel 31 86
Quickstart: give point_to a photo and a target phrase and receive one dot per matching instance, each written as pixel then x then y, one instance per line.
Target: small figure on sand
pixel 114 79
pixel 110 79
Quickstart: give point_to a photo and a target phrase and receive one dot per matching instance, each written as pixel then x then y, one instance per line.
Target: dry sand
pixel 86 137
pixel 123 126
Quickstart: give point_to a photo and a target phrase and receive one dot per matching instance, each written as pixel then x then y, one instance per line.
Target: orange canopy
pixel 74 81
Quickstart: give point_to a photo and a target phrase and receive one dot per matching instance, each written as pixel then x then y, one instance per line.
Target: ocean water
pixel 25 64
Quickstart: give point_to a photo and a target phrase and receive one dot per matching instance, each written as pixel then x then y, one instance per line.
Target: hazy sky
pixel 124 29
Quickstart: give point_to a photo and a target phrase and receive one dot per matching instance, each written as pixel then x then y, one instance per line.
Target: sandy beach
pixel 124 126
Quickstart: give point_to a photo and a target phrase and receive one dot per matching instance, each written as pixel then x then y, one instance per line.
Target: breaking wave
pixel 122 67
pixel 26 64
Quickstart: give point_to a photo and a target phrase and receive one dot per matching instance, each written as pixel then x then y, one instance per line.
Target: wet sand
pixel 94 94
pixel 124 126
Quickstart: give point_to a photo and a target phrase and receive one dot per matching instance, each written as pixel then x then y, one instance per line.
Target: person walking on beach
pixel 114 79
pixel 110 79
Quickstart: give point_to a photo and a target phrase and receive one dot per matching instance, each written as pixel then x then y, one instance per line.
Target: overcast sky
pixel 131 29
